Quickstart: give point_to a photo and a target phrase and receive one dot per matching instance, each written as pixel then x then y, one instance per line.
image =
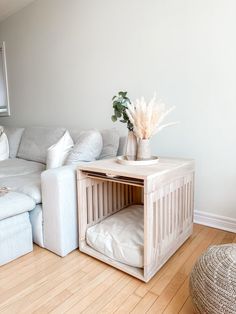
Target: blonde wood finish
pixel 41 282
pixel 111 167
pixel 166 190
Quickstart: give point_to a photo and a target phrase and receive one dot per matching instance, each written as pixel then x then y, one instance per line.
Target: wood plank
pixel 105 198
pixel 168 293
pixel 145 303
pixel 95 202
pixel 229 238
pixel 25 265
pixel 173 269
pixel 97 292
pixel 81 291
pixel 167 286
pixel 27 296
pixel 110 197
pixel 41 282
pixel 187 307
pixel 90 203
pixel 182 252
pixel 179 299
pixel 114 304
pixel 27 271
pixel 128 305
pixel 21 262
pixel 100 303
pixel 100 200
pixel 49 301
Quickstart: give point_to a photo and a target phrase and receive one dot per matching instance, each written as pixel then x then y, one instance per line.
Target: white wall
pixel 66 59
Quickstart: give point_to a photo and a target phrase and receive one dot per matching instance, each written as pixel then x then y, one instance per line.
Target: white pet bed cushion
pixel 120 236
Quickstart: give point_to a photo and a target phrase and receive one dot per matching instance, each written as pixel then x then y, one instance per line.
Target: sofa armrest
pixel 59 198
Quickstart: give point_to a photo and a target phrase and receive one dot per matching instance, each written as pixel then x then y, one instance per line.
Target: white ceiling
pixel 8 7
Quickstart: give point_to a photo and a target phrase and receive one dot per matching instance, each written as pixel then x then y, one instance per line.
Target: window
pixel 4 96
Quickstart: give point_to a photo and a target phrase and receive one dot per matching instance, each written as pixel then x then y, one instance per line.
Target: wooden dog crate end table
pixel 166 190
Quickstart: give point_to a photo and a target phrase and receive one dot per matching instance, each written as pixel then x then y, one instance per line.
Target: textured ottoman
pixel 15 227
pixel 213 281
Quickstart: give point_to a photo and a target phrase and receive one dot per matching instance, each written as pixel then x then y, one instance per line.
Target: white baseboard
pixel 215 221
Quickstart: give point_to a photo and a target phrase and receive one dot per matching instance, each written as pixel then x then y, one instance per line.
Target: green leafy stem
pixel 119 103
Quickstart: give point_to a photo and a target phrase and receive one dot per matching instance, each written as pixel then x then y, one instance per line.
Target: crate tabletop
pixel 112 167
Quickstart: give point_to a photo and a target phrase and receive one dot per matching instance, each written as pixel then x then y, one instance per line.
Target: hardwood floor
pixel 42 282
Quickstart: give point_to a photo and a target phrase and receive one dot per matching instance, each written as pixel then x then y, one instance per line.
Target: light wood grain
pixel 42 282
pixel 111 167
pixel 168 206
pixel 145 303
pixel 187 308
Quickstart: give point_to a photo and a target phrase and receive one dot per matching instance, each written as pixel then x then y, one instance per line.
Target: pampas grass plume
pixel 147 117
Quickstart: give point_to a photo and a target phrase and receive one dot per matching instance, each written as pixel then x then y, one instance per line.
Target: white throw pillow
pixel 120 236
pixel 87 148
pixel 4 145
pixel 57 153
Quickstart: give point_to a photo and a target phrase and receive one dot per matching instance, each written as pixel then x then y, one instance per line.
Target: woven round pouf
pixel 213 281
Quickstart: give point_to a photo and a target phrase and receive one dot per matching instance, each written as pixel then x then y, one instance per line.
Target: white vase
pixel 144 149
pixel 131 146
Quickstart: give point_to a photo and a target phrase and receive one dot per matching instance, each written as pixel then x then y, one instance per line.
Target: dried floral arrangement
pixel 143 119
pixel 147 118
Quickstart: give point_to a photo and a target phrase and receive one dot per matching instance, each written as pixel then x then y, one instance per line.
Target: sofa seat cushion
pixel 15 238
pixel 16 167
pixel 13 203
pixel 29 184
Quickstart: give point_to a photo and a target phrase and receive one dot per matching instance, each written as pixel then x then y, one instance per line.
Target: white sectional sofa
pixel 15 226
pixel 54 218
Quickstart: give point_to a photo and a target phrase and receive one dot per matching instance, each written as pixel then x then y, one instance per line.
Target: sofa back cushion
pixel 110 138
pixel 122 146
pixel 87 147
pixel 35 142
pixel 14 137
